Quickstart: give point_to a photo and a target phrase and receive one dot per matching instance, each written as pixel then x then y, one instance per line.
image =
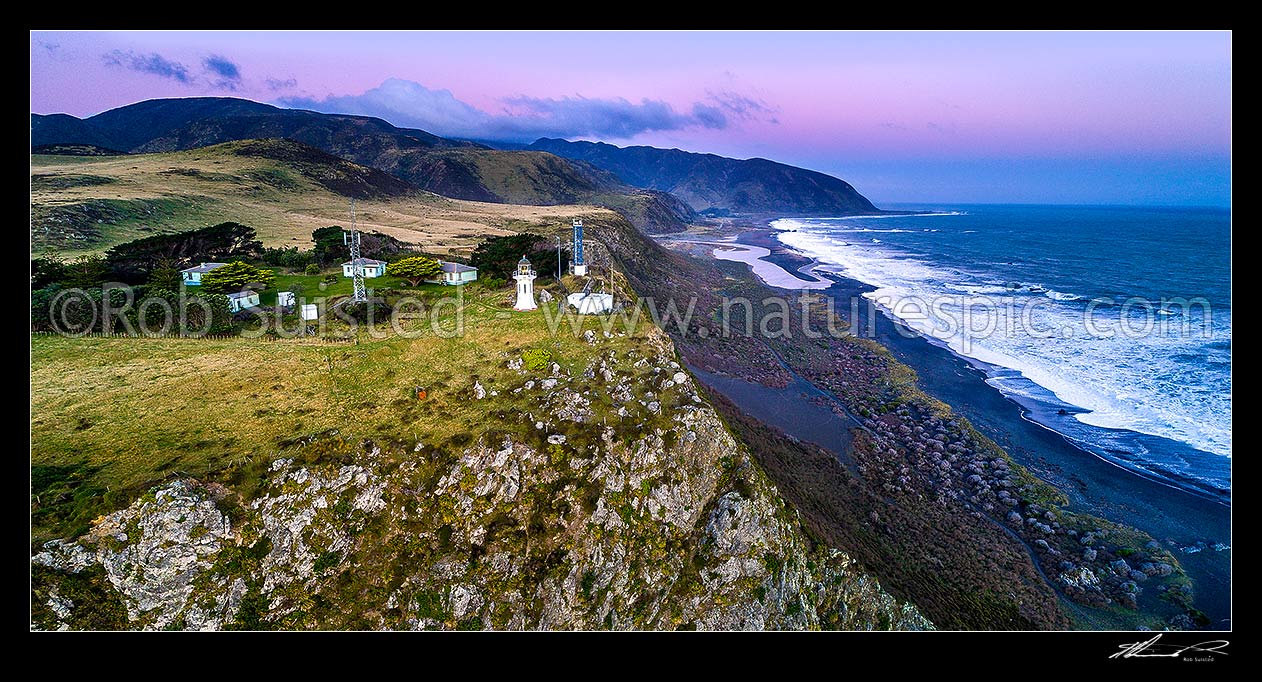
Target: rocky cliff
pixel 631 507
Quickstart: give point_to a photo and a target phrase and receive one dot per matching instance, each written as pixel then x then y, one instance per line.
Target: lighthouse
pixel 525 285
pixel 580 265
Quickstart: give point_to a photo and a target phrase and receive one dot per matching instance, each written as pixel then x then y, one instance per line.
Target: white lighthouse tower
pixel 525 285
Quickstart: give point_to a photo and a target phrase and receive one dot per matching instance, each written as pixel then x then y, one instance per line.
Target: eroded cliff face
pixel 624 506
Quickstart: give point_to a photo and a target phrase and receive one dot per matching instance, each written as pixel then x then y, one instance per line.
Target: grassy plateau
pixel 82 204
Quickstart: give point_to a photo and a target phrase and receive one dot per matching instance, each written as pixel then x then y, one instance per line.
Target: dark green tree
pixel 87 271
pixel 498 256
pixel 134 260
pixel 165 275
pixel 329 246
pixel 47 269
pixel 220 313
pixel 41 307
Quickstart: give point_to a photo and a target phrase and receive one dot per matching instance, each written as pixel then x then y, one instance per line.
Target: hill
pixel 709 182
pixel 246 484
pixel 283 189
pixel 64 129
pixel 457 169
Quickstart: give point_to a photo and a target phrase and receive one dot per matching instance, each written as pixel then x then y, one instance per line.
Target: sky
pixel 905 117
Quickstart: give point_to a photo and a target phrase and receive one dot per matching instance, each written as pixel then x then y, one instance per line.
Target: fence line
pixel 268 338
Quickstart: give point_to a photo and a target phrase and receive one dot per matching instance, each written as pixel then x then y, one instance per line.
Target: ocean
pixel 1109 324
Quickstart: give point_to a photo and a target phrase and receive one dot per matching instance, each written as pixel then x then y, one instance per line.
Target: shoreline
pixel 1046 412
pixel 1187 521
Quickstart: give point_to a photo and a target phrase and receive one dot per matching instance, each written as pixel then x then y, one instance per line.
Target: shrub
pixel 359 311
pixel 235 276
pixel 287 257
pixel 311 269
pixel 220 313
pixel 416 268
pixel 536 358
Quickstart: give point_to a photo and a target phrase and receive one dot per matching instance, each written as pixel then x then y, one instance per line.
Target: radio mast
pixel 357 266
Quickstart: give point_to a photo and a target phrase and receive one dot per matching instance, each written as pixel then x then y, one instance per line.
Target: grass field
pixel 312 286
pixel 109 417
pixel 87 204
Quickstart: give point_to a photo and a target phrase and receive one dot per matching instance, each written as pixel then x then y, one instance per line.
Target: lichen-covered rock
pixel 307 513
pixel 152 551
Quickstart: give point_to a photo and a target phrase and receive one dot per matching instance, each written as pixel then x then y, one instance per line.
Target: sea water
pixel 1112 325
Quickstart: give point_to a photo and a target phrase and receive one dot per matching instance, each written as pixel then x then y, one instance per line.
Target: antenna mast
pixel 357 267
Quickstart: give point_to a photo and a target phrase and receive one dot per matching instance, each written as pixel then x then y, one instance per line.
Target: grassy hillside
pixel 283 189
pixel 306 487
pixel 120 414
pixel 452 168
pixel 510 176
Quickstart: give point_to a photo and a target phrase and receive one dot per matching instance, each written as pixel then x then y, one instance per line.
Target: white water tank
pixel 591 304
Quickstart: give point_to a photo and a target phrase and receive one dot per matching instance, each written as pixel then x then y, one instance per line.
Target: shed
pixel 240 300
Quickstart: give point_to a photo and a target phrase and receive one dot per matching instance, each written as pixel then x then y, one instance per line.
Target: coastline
pixel 1155 457
pixel 1188 521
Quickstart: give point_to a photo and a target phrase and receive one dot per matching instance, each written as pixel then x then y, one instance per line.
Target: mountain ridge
pixel 712 182
pixel 659 190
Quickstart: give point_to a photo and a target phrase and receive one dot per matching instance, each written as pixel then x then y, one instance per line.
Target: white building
pixel 240 300
pixel 590 304
pixel 525 285
pixel 455 273
pixel 193 276
pixel 370 267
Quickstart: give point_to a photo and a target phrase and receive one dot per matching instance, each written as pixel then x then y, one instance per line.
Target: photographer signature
pixel 1152 649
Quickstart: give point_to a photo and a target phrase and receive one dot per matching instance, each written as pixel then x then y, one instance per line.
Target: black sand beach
pixel 1180 519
